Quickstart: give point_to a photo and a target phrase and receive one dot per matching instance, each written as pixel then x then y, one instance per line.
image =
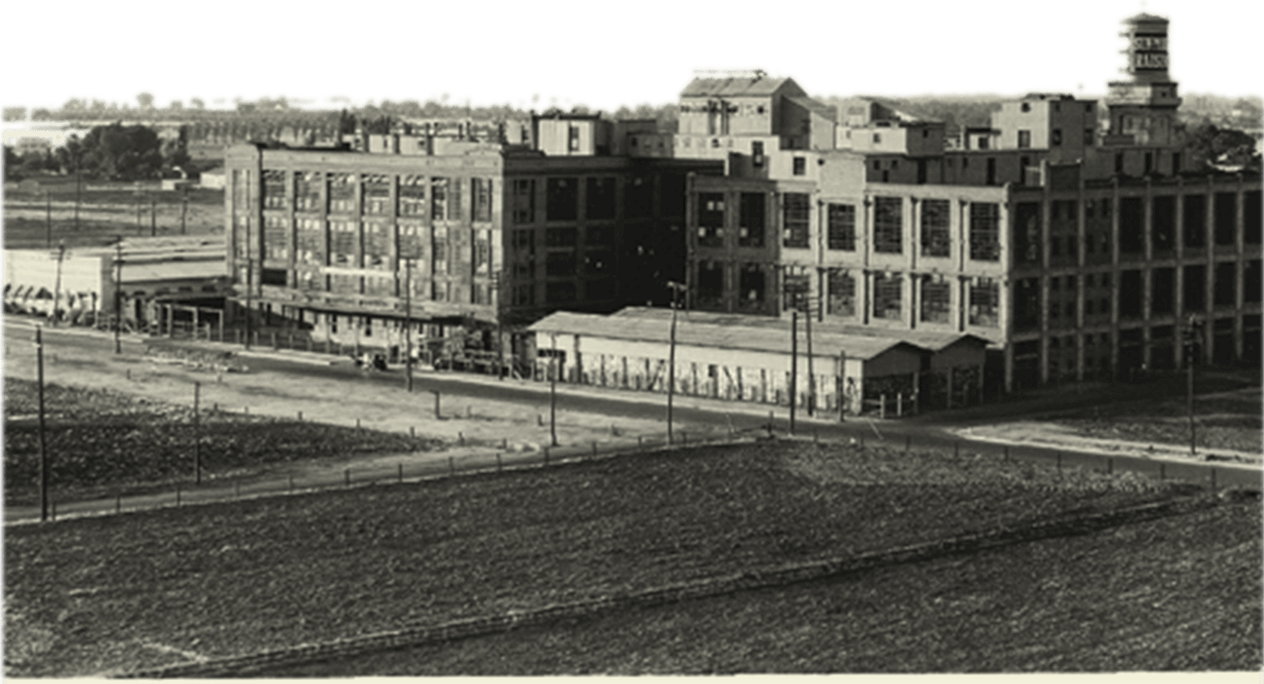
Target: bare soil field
pixel 1229 424
pixel 1177 594
pixel 108 443
pixel 112 594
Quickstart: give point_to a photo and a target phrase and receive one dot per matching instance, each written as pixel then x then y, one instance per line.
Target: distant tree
pixel 198 103
pixel 11 164
pixel 144 97
pixel 1215 144
pixel 74 105
pixel 114 152
pixel 14 114
pixel 176 106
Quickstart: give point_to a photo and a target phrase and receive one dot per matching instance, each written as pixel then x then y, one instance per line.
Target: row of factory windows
pixel 837 294
pixel 840 224
pixel 440 197
pixel 1100 291
pixel 1098 243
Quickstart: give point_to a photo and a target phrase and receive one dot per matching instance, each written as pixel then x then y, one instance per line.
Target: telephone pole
pixel 118 294
pixel 794 360
pixel 676 289
pixel 408 322
pixel 43 444
pixel 553 371
pixel 61 255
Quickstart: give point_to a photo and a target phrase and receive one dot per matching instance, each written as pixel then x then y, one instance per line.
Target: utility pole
pixel 197 438
pixel 118 293
pixel 794 360
pixel 43 444
pixel 676 289
pixel 61 255
pixel 153 217
pixel 1191 342
pixel 250 272
pixel 807 323
pixel 408 322
pixel 553 370
pixel 48 220
pixel 184 207
pixel 140 230
pixel 78 187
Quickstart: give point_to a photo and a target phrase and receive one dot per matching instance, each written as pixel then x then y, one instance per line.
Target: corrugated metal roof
pixel 931 340
pixel 704 86
pixel 812 105
pixel 699 331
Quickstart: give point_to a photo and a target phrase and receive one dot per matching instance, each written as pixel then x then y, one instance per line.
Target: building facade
pixel 455 243
pixel 1079 255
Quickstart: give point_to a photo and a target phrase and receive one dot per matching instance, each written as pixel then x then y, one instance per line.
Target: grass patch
pixel 102 442
pixel 237 578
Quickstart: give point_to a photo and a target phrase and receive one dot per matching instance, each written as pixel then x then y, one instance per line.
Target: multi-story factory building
pixel 454 240
pixel 1078 253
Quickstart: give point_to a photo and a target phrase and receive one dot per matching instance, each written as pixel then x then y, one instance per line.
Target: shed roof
pixel 933 341
pixel 752 86
pixel 816 106
pixel 695 330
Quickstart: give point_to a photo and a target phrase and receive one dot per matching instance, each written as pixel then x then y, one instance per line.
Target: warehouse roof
pixel 704 330
pixel 931 340
pixel 753 85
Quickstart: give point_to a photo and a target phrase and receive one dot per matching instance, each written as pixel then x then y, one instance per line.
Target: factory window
pixel 752 217
pixel 600 203
pixel 1026 304
pixel 1251 281
pixel 307 191
pixel 757 153
pixel 751 285
pixel 1162 291
pixel 796 292
pixel 274 190
pixel 800 166
pixel 1149 162
pixel 936 241
pixel 1252 222
pixel 842 227
pixel 412 196
pixel 572 138
pixel 560 264
pixel 482 199
pixel 1088 136
pixel 524 200
pixel 1195 214
pixel 877 137
pixel 599 235
pixel 482 252
pixel 1024 139
pixel 376 194
pixel 1130 294
pixel 888 225
pixel 1163 223
pixel 1131 225
pixel 439 255
pixel 638 197
pixel 985 299
pixel 557 293
pixel 887 292
pixel 524 295
pixel 341 193
pixel 1176 163
pixel 1119 162
pixel 344 243
pixel 272 276
pixel 711 219
pixel 1026 236
pixel 561 237
pixel 1225 218
pixel 985 231
pixel 877 164
pixel 709 276
pixel 842 293
pixel 673 195
pixel 935 300
pixel 1026 107
pixel 796 214
pixel 1226 281
pixel 1055 137
pixel 1195 288
pixel 441 291
pixel 440 198
pixel 562 199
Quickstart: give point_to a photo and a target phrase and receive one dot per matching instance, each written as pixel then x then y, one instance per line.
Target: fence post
pixel 452 465
pixel 499 464
pixel 899 404
pixel 412 431
pixel 504 443
pixel 882 406
pixel 300 416
pixel 401 472
pixel 357 423
pixel 460 438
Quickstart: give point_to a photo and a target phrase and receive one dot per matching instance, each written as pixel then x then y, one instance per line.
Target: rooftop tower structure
pixel 1143 109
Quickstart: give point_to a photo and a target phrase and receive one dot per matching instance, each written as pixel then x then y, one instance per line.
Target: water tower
pixel 1143 109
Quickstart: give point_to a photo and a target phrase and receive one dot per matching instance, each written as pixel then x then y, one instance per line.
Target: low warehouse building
pixel 751 358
